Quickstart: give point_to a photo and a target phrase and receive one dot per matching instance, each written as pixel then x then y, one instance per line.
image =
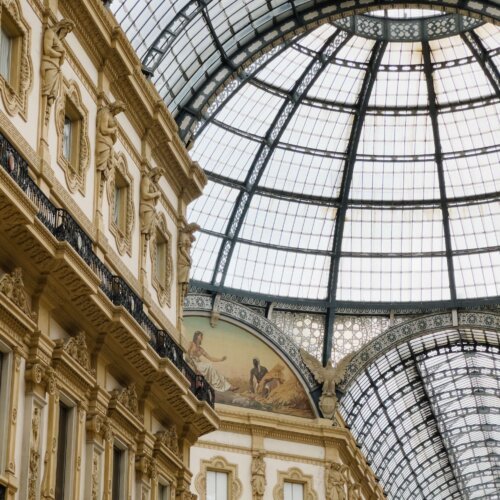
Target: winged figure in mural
pixel 328 376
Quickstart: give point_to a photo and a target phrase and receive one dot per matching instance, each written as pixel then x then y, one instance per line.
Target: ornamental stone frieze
pixel 12 286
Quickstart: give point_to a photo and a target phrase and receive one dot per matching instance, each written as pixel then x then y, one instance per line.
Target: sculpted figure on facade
pixel 128 398
pixel 258 476
pixel 52 60
pixel 329 376
pixel 12 286
pixel 335 482
pixel 186 240
pixel 150 192
pixel 34 463
pixel 354 492
pixel 107 134
pixel 76 347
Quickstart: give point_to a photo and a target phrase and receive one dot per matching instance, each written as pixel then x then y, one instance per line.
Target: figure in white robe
pixel 214 378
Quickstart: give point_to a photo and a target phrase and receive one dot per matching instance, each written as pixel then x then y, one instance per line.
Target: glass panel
pixel 393 279
pixel 67 130
pixel 477 275
pixel 287 224
pixel 213 210
pixel 217 487
pixel 293 491
pixel 204 254
pixel 163 491
pixel 277 272
pixel 5 54
pixel 118 205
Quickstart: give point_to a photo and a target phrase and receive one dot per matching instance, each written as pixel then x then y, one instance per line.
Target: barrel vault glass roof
pixel 342 169
pixel 427 416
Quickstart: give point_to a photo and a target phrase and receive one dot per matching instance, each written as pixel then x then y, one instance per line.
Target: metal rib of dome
pixel 374 164
pixel 425 413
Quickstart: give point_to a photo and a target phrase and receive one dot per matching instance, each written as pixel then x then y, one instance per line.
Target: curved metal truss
pixel 407 30
pixel 422 400
pixel 244 33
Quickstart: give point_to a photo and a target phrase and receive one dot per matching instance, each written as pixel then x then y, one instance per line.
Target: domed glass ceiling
pixel 419 172
pixel 342 168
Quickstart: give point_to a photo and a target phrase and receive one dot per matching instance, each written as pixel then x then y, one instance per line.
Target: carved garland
pixel 123 238
pixel 218 464
pixel 75 170
pixel 15 93
pixel 163 286
pixel 294 475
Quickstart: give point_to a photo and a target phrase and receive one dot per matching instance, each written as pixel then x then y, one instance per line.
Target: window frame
pixel 162 284
pixel 70 460
pixel 294 475
pixel 121 230
pixel 6 360
pixel 70 106
pixel 218 464
pixel 123 477
pixel 14 89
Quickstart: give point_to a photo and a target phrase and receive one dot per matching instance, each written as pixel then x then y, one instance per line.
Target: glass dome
pixel 358 170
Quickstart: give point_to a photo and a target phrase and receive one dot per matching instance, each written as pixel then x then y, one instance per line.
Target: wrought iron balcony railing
pixel 64 227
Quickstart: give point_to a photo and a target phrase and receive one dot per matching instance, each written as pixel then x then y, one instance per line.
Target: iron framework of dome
pixel 353 167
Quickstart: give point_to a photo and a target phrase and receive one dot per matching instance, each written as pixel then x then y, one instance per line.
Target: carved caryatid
pixel 34 463
pixel 335 481
pixel 52 60
pixel 128 398
pixel 258 476
pixel 329 376
pixel 354 492
pixel 186 239
pixel 107 134
pixel 12 286
pixel 77 348
pixel 150 192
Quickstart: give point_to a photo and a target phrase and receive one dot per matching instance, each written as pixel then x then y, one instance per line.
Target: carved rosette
pixel 75 170
pixel 123 236
pixel 163 286
pixel 15 93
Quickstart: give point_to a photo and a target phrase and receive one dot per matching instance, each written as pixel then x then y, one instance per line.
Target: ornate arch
pixel 414 328
pixel 241 314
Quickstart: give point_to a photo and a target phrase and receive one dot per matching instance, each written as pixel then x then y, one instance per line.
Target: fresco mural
pixel 243 370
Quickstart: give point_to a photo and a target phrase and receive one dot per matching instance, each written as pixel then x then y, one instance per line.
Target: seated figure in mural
pixel 256 374
pixel 205 368
pixel 271 380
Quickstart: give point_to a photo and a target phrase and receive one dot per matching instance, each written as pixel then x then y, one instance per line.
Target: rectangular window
pixel 62 451
pixel 118 466
pixel 293 491
pixel 217 487
pixel 120 202
pixel 67 130
pixel 5 54
pixel 163 491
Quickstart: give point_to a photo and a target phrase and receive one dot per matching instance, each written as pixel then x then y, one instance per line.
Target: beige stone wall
pixel 62 340
pixel 301 450
pixel 101 65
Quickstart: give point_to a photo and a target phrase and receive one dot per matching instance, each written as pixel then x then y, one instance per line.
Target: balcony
pixel 64 228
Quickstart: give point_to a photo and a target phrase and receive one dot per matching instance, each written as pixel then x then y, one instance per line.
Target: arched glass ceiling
pixel 426 414
pixel 331 179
